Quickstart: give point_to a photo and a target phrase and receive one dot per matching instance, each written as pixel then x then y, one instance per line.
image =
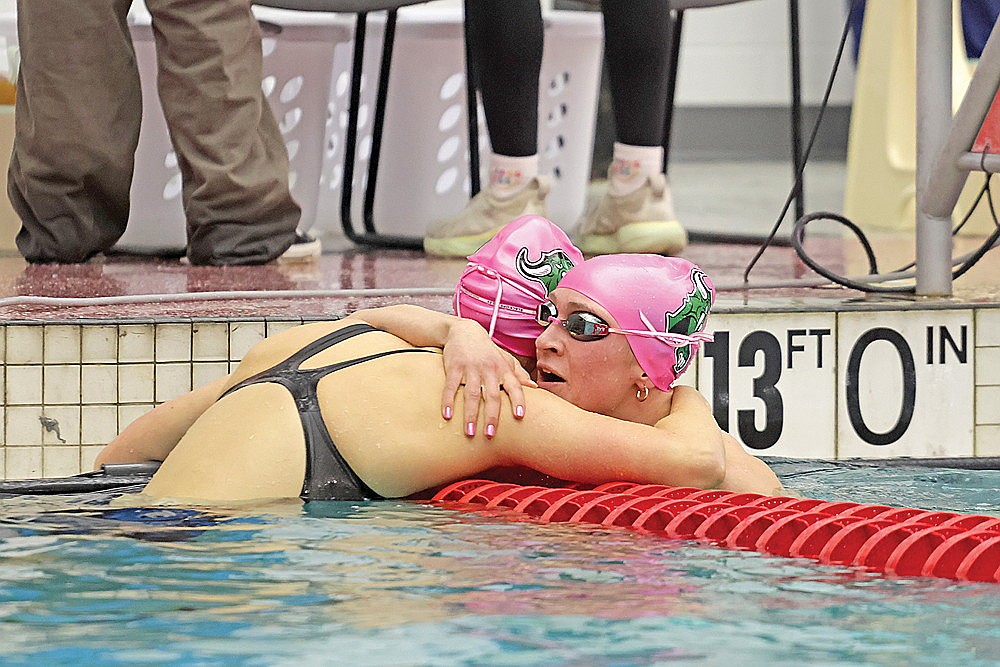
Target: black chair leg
pixel 471 106
pixel 370 236
pixel 796 107
pixel 676 19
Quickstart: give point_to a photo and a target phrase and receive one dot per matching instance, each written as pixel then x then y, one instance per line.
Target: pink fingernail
pixel 490 430
pixel 519 411
pixel 470 429
pixel 447 412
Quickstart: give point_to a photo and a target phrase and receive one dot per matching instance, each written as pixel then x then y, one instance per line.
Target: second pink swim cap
pixel 655 294
pixel 509 277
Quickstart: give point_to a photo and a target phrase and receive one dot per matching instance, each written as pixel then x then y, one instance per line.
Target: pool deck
pixel 794 371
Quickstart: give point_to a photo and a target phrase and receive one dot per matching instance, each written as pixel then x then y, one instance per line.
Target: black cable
pixel 812 139
pixel 798 236
pixel 798 231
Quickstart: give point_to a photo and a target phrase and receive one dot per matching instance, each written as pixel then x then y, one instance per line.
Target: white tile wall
pixel 210 341
pixel 124 370
pixel 61 344
pixel 988 365
pixel 23 425
pixel 61 425
pixel 173 342
pixel 60 461
pixel 24 344
pixel 98 424
pixel 99 383
pixel 988 327
pixel 100 344
pixel 988 405
pixel 135 342
pixel 204 372
pixel 988 440
pixel 277 326
pixel 135 383
pixel 61 385
pixel 24 385
pixel 172 380
pixel 24 462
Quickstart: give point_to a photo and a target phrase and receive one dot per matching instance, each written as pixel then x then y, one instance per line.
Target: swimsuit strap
pixel 293 362
pixel 302 385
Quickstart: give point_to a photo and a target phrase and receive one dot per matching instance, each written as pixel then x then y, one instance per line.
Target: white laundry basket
pixel 423 169
pixel 298 56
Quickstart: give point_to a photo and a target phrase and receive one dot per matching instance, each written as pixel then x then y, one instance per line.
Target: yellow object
pixel 8 91
pixel 880 191
pixel 10 224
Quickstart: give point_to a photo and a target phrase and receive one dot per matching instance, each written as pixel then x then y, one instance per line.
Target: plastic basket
pixel 423 171
pixel 299 52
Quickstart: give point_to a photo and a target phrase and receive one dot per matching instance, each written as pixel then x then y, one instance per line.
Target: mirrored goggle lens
pixel 546 313
pixel 586 326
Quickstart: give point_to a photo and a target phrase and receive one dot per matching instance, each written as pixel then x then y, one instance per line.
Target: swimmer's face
pixel 596 375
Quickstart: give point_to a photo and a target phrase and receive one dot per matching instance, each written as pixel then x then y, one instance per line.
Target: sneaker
pixel 482 218
pixel 641 221
pixel 304 248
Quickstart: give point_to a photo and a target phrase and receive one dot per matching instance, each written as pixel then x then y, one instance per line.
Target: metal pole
pixel 934 246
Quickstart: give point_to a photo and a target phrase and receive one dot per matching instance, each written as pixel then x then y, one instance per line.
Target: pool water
pixel 83 582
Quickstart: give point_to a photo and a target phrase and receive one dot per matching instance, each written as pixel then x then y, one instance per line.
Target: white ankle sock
pixel 631 166
pixel 509 176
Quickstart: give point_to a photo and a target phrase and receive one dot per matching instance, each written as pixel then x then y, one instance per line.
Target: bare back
pixel 382 415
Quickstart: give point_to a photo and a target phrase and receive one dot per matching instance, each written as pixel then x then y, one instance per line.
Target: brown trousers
pixel 77 118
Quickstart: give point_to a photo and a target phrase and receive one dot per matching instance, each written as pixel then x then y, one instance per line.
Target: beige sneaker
pixel 642 221
pixel 304 248
pixel 483 216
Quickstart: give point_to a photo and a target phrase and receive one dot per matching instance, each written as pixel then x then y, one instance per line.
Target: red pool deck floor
pixel 348 267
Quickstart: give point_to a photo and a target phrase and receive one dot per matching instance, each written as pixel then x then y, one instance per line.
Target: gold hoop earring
pixel 642 394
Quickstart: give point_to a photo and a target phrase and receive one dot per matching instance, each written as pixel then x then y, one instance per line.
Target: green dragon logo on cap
pixel 690 316
pixel 549 269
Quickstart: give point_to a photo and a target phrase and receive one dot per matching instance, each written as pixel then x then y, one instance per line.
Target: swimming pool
pixel 394 583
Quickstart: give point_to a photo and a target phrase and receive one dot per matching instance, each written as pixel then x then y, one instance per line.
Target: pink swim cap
pixel 655 294
pixel 509 277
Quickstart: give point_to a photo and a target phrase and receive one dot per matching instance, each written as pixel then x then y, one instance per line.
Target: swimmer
pixel 342 410
pixel 496 298
pixel 501 291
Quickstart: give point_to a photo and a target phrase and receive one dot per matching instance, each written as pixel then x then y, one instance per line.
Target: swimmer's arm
pixel 559 439
pixel 418 326
pixel 692 424
pixel 471 360
pixel 153 436
pixel 746 473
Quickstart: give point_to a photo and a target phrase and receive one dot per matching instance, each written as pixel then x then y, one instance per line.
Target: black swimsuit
pixel 328 477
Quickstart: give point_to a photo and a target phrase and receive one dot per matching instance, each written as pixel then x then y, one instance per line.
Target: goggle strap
pixel 496 308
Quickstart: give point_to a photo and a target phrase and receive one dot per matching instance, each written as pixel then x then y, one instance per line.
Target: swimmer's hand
pixel 473 361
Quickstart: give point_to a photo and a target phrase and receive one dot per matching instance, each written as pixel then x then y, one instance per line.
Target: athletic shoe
pixel 641 221
pixel 304 248
pixel 482 218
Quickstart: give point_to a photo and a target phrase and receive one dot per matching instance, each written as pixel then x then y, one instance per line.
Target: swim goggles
pixel 587 327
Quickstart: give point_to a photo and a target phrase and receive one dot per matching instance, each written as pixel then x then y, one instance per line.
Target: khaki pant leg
pixel 76 127
pixel 232 157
